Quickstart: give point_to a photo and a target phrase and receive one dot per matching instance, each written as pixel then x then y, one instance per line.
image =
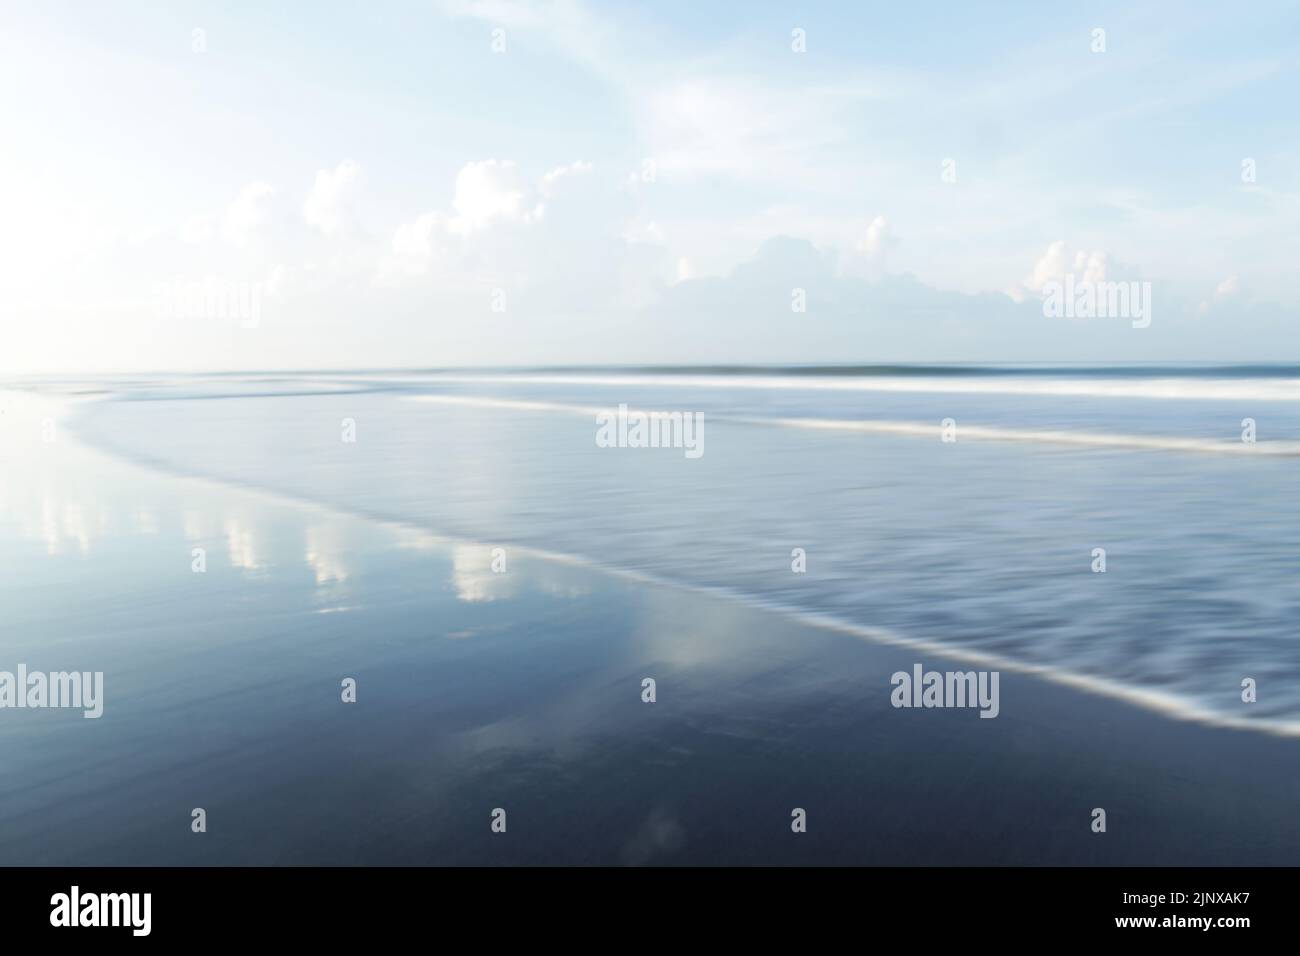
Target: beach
pixel 492 674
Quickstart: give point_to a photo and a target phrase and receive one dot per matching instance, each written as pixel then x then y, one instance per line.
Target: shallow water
pixel 984 544
pixel 521 690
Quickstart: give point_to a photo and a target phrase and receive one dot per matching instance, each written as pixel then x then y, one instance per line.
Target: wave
pixel 1049 436
pixel 923 429
pixel 1168 387
pixel 1248 383
pixel 959 370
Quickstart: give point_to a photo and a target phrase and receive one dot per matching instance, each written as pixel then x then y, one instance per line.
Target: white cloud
pixel 416 239
pixel 1225 291
pixel 329 204
pixel 247 214
pixel 415 246
pixel 552 179
pixel 1057 262
pixel 486 191
pixel 877 239
pixel 1229 287
pixel 242 220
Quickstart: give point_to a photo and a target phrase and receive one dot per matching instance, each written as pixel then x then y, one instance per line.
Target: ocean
pixel 983 544
pixel 229 550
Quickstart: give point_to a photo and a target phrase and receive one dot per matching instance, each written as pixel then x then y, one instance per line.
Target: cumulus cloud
pixel 328 207
pixel 416 239
pixel 747 316
pixel 551 181
pixel 1057 262
pixel 486 192
pixel 877 239
pixel 415 246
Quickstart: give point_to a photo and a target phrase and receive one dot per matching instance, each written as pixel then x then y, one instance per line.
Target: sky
pixel 239 185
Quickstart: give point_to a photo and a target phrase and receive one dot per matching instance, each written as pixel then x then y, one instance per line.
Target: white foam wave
pixel 1172 388
pixel 925 429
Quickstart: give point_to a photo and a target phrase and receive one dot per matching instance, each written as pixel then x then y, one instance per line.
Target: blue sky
pixel 641 182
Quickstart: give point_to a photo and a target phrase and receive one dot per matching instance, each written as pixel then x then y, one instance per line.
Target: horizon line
pixel 788 368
